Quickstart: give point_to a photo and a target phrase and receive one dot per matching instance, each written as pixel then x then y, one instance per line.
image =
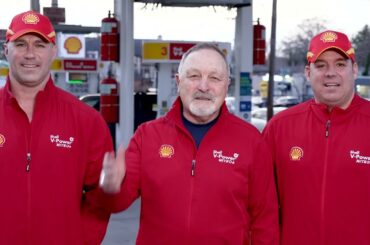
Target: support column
pixel 125 70
pixel 164 91
pixel 244 61
pixel 35 5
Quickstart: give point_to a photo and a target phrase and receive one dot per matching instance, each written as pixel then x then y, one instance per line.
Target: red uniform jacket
pixel 322 163
pixel 49 170
pixel 221 193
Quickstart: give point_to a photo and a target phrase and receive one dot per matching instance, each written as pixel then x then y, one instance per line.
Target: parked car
pixel 4 63
pixel 92 100
pixel 230 103
pixel 257 122
pixel 143 105
pixel 286 101
pixel 261 113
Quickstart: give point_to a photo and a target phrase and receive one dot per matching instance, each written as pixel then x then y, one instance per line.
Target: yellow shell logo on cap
pixel 30 18
pixel 296 153
pixel 2 140
pixel 328 37
pixel 166 151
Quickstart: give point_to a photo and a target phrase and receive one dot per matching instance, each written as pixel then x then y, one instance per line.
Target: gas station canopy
pixel 199 3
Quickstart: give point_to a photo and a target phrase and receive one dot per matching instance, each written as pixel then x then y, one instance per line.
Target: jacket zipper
pixel 192 174
pixel 191 193
pixel 28 176
pixel 193 167
pixel 323 190
pixel 327 128
pixel 28 162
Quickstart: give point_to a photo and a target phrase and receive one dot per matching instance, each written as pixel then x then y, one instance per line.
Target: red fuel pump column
pixel 259 44
pixel 109 100
pixel 109 43
pixel 109 87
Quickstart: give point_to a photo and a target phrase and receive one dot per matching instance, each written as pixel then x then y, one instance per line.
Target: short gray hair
pixel 201 46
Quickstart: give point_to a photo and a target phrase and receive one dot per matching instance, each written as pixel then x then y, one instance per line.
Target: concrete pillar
pixel 164 88
pixel 35 5
pixel 243 50
pixel 125 70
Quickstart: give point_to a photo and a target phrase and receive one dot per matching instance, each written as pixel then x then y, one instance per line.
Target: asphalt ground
pixel 123 227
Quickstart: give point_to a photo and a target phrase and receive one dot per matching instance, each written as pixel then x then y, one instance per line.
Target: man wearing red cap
pixel 51 147
pixel 321 152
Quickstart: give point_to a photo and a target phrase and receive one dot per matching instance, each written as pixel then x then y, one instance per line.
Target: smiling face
pixel 29 59
pixel 332 78
pixel 202 84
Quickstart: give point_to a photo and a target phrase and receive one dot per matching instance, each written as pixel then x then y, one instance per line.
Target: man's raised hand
pixel 113 172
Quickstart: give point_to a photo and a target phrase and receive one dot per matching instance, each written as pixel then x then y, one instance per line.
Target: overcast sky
pixel 208 23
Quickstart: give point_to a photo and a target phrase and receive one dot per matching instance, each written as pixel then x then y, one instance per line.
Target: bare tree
pixel 295 47
pixel 361 43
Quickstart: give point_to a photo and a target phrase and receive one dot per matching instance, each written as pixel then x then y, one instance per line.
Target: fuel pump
pixel 259 44
pixel 109 99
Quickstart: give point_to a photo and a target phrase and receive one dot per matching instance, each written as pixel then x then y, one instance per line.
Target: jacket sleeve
pixel 263 205
pixel 268 135
pixel 94 216
pixel 130 189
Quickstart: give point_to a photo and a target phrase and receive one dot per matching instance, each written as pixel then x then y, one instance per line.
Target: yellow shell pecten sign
pixel 4 71
pixel 73 45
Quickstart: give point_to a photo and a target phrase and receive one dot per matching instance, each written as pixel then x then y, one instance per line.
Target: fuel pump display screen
pixel 77 78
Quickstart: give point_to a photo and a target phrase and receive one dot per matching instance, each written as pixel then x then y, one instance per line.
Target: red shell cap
pixel 330 40
pixel 30 22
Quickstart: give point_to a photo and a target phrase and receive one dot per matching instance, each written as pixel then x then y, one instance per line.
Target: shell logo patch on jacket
pixel 2 140
pixel 166 151
pixel 296 153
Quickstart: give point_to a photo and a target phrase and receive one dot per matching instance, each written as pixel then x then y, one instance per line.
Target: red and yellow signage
pixel 156 51
pixel 57 65
pixel 72 45
pixel 4 71
pixel 178 49
pixel 80 65
pixel 171 52
pixel 87 65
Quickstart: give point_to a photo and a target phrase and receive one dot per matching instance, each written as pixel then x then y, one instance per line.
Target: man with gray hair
pixel 204 175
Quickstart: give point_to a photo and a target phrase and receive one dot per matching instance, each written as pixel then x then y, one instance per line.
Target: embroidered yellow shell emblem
pixel 328 37
pixel 30 19
pixel 296 153
pixel 166 151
